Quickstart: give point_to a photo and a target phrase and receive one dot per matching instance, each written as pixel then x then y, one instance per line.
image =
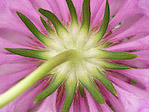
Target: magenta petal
pixel 131 102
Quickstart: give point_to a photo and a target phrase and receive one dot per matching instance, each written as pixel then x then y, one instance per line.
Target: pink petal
pixel 144 5
pixel 17 37
pixel 128 8
pixel 55 8
pixel 49 104
pixel 139 75
pixel 137 91
pixel 7 44
pixel 142 26
pixel 131 102
pixel 139 44
pixel 117 105
pixel 92 104
pixel 24 7
pixel 7 58
pixel 8 69
pixel 64 11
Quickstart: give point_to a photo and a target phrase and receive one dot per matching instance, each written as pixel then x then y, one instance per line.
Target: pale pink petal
pixel 49 104
pixel 8 69
pixel 144 4
pixel 7 58
pixel 126 24
pixel 10 21
pixel 139 44
pixel 24 7
pixel 7 44
pixel 137 91
pixel 92 104
pixel 64 11
pixel 141 26
pixel 131 102
pixel 78 7
pixel 139 75
pixel 128 8
pixel 17 37
pixel 55 8
pixel 116 104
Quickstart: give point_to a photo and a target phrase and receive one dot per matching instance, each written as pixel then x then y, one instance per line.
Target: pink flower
pixel 76 56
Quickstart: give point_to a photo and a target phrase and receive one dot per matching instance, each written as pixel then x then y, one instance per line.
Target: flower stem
pixel 35 76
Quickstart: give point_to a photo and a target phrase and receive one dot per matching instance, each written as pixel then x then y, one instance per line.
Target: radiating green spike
pixel 57 81
pixel 103 54
pixel 44 39
pixel 86 17
pixel 81 90
pixel 74 19
pixel 88 84
pixel 104 80
pixel 70 91
pixel 39 54
pixel 48 28
pixel 60 29
pixel 108 65
pixel 104 25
